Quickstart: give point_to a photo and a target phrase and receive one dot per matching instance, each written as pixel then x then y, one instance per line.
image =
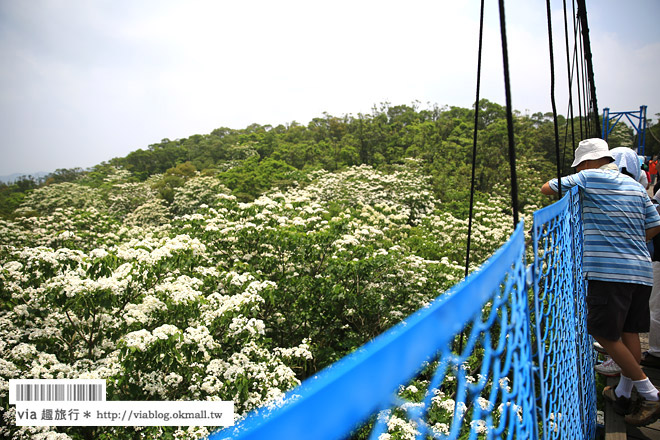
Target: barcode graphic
pixel 57 390
pixel 80 392
pixel 34 392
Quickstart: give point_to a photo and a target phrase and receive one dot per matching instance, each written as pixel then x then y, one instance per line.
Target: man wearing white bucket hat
pixel 618 218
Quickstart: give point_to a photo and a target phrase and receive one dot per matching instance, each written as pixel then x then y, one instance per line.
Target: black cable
pixel 570 89
pixel 583 86
pixel 577 59
pixel 474 139
pixel 474 155
pixel 582 13
pixel 571 107
pixel 509 117
pixel 579 90
pixel 552 94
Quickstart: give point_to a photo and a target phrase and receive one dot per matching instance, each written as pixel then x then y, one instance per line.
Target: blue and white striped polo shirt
pixel 616 212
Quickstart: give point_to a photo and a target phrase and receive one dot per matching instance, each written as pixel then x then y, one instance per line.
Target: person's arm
pixel 652 232
pixel 652 211
pixel 567 183
pixel 545 189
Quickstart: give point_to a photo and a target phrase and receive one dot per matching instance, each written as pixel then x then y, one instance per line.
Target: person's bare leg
pixel 631 340
pixel 624 358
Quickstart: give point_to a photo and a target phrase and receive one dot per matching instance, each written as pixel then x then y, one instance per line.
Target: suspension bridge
pixel 507 347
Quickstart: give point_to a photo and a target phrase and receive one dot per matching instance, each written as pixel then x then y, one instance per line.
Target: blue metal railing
pixel 496 387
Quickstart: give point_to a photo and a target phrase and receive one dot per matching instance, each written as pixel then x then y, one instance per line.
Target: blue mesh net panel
pixel 586 355
pixel 410 379
pixel 565 357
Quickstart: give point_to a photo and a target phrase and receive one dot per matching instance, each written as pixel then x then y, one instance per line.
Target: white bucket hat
pixel 591 149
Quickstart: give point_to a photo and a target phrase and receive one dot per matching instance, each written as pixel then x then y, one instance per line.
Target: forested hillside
pixel 248 161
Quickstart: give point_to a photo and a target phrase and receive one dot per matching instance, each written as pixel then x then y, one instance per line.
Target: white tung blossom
pixel 143 313
pixel 199 336
pixel 165 331
pixel 182 289
pixel 242 324
pixel 407 429
pixel 140 339
pixel 479 426
pixel 302 351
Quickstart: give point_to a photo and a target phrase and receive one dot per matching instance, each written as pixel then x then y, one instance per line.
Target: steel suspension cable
pixel 474 141
pixel 579 89
pixel 573 74
pixel 586 96
pixel 579 70
pixel 583 86
pixel 570 90
pixel 582 13
pixel 585 79
pixel 552 94
pixel 648 128
pixel 474 155
pixel 509 116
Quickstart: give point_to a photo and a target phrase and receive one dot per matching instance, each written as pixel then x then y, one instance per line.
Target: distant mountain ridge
pixel 13 177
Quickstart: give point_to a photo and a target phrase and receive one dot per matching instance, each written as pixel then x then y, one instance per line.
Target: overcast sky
pixel 84 81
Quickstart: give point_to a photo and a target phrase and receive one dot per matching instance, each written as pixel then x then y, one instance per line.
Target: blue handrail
pixel 491 384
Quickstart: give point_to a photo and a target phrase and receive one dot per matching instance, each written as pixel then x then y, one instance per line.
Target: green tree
pixel 64 175
pixel 253 177
pixel 173 178
pixel 622 135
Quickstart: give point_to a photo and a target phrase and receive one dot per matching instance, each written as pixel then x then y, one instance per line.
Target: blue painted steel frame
pixel 610 119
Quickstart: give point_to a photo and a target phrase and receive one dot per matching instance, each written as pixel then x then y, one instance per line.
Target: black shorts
pixel 615 308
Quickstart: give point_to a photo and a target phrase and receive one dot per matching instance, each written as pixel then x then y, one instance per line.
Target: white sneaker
pixel 608 368
pixel 599 348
